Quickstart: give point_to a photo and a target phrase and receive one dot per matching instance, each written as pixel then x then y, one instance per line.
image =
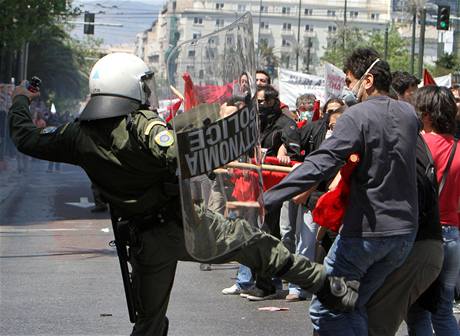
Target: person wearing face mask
pixel 380 222
pixel 305 106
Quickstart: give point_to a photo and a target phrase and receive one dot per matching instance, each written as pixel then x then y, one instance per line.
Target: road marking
pixel 82 204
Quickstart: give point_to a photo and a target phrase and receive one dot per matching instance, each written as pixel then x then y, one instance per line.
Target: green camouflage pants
pixel 154 260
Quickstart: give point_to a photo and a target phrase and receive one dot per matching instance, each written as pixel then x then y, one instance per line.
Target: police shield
pixel 217 139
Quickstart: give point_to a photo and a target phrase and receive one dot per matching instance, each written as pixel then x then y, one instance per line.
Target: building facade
pixel 296 31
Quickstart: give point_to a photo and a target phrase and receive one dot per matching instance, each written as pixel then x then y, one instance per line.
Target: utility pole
pixel 298 38
pixel 258 35
pixel 308 53
pixel 457 32
pixel 344 25
pixel 421 42
pixel 412 46
pixel 385 53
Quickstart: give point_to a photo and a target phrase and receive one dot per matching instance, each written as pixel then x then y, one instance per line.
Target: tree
pixel 446 64
pixel 267 58
pixel 398 51
pixel 341 44
pixel 19 22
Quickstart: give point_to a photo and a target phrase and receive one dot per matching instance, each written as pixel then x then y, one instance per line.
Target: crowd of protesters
pixel 407 260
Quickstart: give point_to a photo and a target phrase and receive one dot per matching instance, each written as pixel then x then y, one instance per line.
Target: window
pixel 332 29
pixel 286 10
pixel 330 12
pixel 374 16
pixel 196 36
pixel 241 8
pixel 191 53
pixel 285 60
pixel 308 28
pixel 219 5
pixel 285 43
pixel 353 14
pixel 286 26
pixel 264 41
pixel 219 22
pixel 264 9
pixel 308 11
pixel 154 59
pixel 198 20
pixel 263 25
pixel 190 69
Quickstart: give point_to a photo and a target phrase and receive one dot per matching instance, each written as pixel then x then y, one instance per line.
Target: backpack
pixel 427 188
pixel 429 222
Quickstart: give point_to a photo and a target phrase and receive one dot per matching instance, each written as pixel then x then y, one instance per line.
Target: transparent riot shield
pixel 217 139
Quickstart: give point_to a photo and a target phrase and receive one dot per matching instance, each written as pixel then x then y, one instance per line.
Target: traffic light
pixel 89 28
pixel 443 17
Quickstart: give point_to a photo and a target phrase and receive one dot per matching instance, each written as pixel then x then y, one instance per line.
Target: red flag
pixel 214 93
pixel 189 92
pixel 173 108
pixel 427 78
pixel 331 206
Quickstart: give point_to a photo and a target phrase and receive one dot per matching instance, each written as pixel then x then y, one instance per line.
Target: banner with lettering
pixel 292 84
pixel 335 81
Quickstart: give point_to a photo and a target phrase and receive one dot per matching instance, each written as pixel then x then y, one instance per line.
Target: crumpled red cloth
pixel 331 206
pixel 246 182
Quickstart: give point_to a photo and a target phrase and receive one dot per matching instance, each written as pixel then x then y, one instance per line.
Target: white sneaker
pixel 456 308
pixel 234 290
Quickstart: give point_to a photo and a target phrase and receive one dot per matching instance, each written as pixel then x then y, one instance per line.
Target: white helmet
pixel 119 84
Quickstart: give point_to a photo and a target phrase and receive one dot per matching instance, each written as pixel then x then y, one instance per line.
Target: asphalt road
pixel 59 276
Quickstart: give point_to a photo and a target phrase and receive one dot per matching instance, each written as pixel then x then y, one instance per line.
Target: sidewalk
pixel 9 178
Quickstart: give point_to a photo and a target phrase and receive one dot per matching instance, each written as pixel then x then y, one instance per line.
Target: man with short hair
pixel 380 222
pixel 262 78
pixel 404 84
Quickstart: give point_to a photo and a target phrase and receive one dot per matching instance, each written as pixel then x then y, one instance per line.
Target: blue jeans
pixel 306 242
pixel 244 278
pixel 419 321
pixel 369 260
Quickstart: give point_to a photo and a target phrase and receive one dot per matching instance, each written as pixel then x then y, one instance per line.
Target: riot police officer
pixel 128 152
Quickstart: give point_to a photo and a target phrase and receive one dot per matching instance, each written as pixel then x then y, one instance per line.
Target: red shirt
pixel 440 146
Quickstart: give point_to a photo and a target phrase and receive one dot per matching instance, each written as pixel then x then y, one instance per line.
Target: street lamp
pixel 298 38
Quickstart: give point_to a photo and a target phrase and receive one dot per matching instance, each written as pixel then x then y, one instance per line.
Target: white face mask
pixel 306 115
pixel 352 97
pixel 328 134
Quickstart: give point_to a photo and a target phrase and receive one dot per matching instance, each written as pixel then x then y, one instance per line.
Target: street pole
pixel 258 35
pixel 457 32
pixel 412 46
pixel 421 42
pixel 344 25
pixel 385 53
pixel 298 39
pixel 308 54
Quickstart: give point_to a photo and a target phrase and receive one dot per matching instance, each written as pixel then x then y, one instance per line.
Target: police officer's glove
pixel 339 294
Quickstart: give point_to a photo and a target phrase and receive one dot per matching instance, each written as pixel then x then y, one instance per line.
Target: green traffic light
pixel 443 25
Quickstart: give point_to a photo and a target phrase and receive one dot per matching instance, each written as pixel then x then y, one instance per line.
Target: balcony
pixel 265 31
pixel 287 32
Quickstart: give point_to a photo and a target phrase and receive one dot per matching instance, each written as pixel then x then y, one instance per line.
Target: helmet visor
pixel 149 87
